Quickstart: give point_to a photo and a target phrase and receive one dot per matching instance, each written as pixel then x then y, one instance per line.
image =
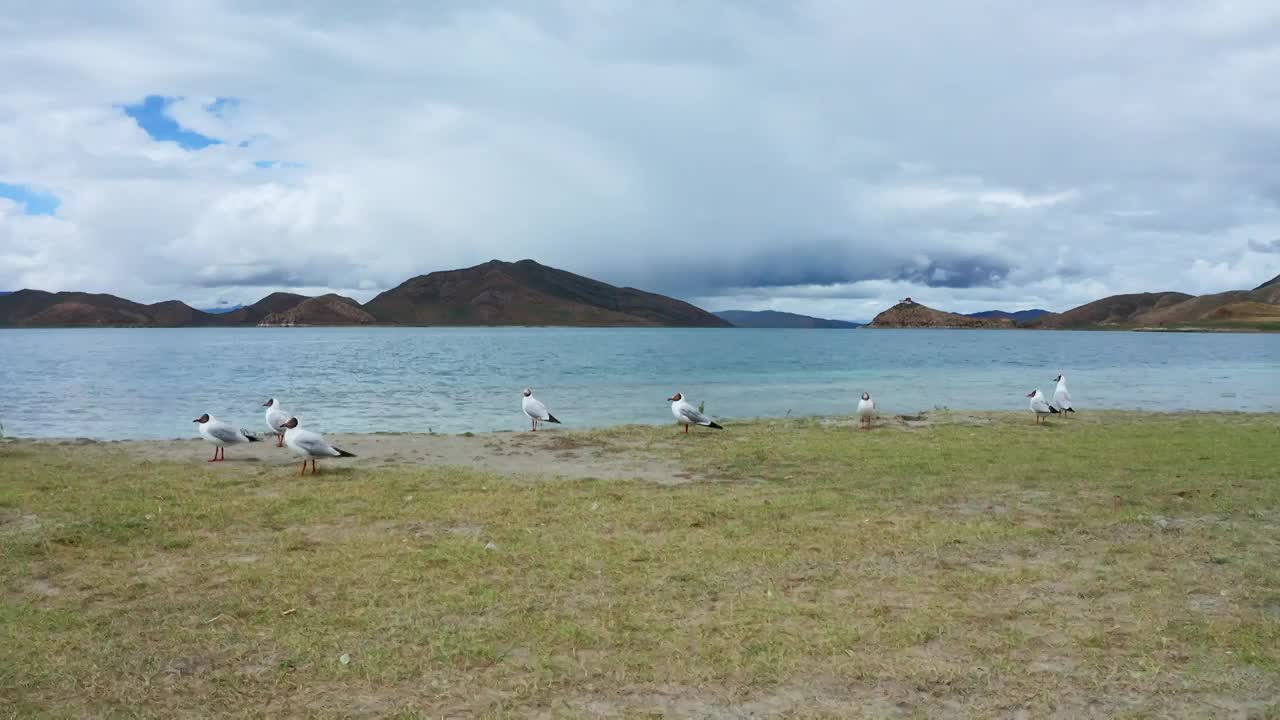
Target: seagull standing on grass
pixel 866 411
pixel 309 446
pixel 1062 398
pixel 221 435
pixel 688 414
pixel 276 418
pixel 1040 406
pixel 536 411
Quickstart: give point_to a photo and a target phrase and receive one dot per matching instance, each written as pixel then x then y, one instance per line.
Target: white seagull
pixel 309 445
pixel 535 410
pixel 276 418
pixel 1062 398
pixel 688 414
pixel 221 435
pixel 1040 406
pixel 866 411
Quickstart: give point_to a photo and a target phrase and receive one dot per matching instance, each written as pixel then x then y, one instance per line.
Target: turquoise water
pixel 150 383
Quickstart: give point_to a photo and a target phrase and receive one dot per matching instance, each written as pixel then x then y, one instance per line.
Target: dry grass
pixel 1111 565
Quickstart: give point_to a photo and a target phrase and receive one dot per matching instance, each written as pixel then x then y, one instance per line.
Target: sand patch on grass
pixel 527 457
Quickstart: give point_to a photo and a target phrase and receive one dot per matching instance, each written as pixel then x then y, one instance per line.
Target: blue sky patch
pixel 283 164
pixel 222 106
pixel 152 116
pixel 35 202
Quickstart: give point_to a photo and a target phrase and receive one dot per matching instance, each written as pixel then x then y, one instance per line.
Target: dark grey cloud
pixel 222 276
pixel 1265 247
pixel 956 273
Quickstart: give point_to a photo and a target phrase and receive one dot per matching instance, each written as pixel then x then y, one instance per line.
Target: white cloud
pixel 1025 157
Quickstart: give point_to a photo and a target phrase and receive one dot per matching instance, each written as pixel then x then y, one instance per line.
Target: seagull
pixel 866 411
pixel 221 435
pixel 309 445
pixel 688 414
pixel 535 410
pixel 1040 406
pixel 1062 398
pixel 276 418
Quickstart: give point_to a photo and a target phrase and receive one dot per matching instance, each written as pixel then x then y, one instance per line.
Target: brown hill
pixel 173 313
pixel 254 314
pixel 1191 309
pixel 1267 292
pixel 909 314
pixel 1173 309
pixel 527 293
pixel 1247 311
pixel 324 310
pixel 1115 310
pixel 37 308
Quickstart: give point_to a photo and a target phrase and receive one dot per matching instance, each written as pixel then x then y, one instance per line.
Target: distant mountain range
pixel 1250 310
pixel 776 319
pixel 495 293
pixel 528 293
pixel 1021 317
pixel 221 309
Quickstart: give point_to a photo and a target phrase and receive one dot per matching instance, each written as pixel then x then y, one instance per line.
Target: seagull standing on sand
pixel 688 414
pixel 536 411
pixel 1062 398
pixel 276 418
pixel 866 411
pixel 221 435
pixel 309 446
pixel 1040 406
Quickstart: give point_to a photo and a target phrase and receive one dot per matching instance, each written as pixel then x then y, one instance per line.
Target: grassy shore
pixel 1110 565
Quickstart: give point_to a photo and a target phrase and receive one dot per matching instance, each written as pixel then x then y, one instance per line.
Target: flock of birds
pixel 308 445
pixel 311 446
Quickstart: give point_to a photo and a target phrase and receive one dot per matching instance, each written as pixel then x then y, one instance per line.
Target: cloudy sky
pixel 820 156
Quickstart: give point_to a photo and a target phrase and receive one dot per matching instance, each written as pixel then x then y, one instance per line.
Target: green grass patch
pixel 1111 564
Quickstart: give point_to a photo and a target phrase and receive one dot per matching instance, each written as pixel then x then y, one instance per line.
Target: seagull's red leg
pixel 215 454
pixel 279 439
pixel 686 428
pixel 303 470
pixel 314 470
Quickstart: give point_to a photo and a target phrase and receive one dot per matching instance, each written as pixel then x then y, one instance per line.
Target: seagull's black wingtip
pixel 1053 410
pixel 344 453
pixel 714 425
pixel 251 436
pixel 552 418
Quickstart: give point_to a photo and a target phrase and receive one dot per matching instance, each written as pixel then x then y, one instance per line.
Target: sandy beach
pixel 549 453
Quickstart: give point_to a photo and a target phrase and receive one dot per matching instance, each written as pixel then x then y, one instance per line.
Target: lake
pixel 150 383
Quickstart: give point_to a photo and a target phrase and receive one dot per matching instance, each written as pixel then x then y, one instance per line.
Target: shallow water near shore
pixel 150 383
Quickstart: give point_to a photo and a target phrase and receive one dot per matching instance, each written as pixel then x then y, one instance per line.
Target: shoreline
pixel 632 452
pixel 923 417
